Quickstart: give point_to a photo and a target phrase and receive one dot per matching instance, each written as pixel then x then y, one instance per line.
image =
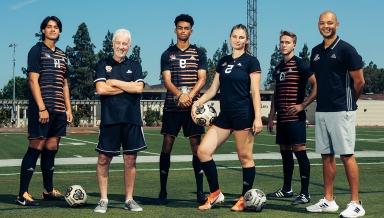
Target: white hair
pixel 122 32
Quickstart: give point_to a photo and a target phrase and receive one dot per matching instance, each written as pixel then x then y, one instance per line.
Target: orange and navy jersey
pixel 52 67
pixel 183 66
pixel 291 79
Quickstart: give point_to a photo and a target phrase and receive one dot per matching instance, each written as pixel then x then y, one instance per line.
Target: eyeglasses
pixel 183 28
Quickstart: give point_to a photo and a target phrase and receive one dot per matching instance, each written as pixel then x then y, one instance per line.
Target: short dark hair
pixel 184 17
pixel 44 24
pixel 290 34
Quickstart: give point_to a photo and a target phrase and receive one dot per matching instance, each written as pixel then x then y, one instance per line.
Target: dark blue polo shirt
pixel 183 66
pixel 335 91
pixel 52 69
pixel 124 107
pixel 235 81
pixel 291 79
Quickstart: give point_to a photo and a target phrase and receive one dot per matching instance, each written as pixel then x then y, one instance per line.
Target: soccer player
pixel 119 82
pixel 238 78
pixel 183 67
pixel 291 77
pixel 340 81
pixel 49 110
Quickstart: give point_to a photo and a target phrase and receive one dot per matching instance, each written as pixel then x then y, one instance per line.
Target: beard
pixel 331 34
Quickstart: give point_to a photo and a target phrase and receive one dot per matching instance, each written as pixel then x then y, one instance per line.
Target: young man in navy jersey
pixel 291 77
pixel 238 78
pixel 183 67
pixel 49 110
pixel 119 82
pixel 339 73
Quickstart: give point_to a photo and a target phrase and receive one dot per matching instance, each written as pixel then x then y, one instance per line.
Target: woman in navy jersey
pixel 238 78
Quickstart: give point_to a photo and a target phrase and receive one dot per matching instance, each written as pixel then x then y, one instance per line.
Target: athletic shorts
pixel 56 126
pixel 235 120
pixel 291 133
pixel 335 132
pixel 128 136
pixel 173 121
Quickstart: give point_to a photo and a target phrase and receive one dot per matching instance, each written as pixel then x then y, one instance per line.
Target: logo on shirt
pixel 129 71
pixel 333 56
pixel 172 57
pixel 316 58
pixel 47 55
pixel 193 58
pixel 224 64
pixel 108 69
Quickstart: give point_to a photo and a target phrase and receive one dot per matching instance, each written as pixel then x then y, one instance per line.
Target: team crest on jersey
pixel 108 69
pixel 224 64
pixel 316 58
pixel 47 55
pixel 129 71
pixel 192 57
pixel 172 57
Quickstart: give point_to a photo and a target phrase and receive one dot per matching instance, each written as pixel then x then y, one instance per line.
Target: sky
pixel 152 28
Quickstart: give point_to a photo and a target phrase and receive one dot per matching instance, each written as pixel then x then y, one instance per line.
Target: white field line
pixel 182 169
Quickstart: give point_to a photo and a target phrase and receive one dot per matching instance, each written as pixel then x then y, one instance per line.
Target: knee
pixel 103 160
pixel 130 161
pixel 246 160
pixel 203 154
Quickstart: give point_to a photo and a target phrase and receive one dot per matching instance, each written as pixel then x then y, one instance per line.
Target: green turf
pixel 181 191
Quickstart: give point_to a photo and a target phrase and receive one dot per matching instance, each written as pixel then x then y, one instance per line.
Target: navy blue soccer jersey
pixel 290 79
pixel 124 107
pixel 335 91
pixel 52 69
pixel 183 66
pixel 235 81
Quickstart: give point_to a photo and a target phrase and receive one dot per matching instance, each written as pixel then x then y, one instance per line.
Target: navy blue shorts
pixel 128 136
pixel 173 121
pixel 235 120
pixel 56 126
pixel 291 133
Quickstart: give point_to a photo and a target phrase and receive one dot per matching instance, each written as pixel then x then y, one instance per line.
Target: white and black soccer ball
pixel 204 115
pixel 255 200
pixel 75 196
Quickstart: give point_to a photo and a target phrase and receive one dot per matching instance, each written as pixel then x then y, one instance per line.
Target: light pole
pixel 13 112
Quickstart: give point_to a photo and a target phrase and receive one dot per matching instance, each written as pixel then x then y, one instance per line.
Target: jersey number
pixel 183 63
pixel 282 76
pixel 56 62
pixel 229 68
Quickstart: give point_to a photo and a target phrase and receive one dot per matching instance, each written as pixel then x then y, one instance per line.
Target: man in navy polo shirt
pixel 338 70
pixel 49 110
pixel 183 68
pixel 119 82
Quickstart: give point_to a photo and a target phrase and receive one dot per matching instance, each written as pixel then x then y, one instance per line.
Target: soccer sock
pixel 288 165
pixel 28 165
pixel 305 170
pixel 47 165
pixel 198 173
pixel 165 162
pixel 210 172
pixel 248 178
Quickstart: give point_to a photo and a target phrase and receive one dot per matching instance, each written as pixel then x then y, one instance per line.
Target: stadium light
pixel 13 112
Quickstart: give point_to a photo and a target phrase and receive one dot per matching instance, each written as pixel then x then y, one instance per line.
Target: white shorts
pixel 335 132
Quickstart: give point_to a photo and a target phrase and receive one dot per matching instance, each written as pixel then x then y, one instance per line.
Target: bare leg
pixel 102 171
pixel 329 173
pixel 129 174
pixel 352 172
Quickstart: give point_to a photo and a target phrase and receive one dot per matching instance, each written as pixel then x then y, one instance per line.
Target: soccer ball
pixel 255 200
pixel 75 196
pixel 204 115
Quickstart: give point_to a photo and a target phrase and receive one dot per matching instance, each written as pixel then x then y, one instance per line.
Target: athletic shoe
pixel 301 199
pixel 200 197
pixel 102 206
pixel 26 200
pixel 162 200
pixel 54 195
pixel 323 206
pixel 213 198
pixel 353 209
pixel 132 205
pixel 280 194
pixel 239 206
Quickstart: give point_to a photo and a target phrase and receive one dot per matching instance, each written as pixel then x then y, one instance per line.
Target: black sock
pixel 210 172
pixel 288 165
pixel 198 173
pixel 28 165
pixel 248 178
pixel 165 162
pixel 305 170
pixel 47 165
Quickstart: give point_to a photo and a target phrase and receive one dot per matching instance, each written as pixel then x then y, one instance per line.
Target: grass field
pixel 181 185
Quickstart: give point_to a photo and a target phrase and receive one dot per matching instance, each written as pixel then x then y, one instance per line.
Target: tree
pixel 21 89
pixel 82 62
pixel 107 50
pixel 135 56
pixel 276 57
pixel 374 79
pixel 305 56
pixel 212 63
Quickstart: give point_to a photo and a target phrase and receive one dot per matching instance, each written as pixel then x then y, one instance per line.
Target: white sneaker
pixel 353 210
pixel 102 206
pixel 323 206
